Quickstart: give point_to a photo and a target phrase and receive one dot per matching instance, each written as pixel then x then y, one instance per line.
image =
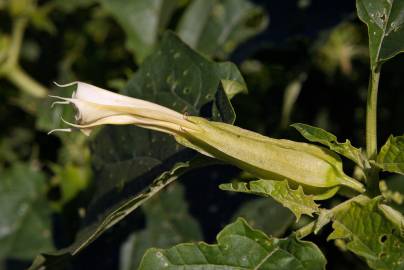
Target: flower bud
pixel 316 168
pixel 305 164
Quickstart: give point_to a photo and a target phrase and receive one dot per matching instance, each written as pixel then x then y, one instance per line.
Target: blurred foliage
pixel 167 223
pixel 344 44
pixel 25 228
pixel 311 69
pixel 267 215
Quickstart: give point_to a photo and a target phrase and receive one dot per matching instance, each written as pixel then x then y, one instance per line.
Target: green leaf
pixel 142 20
pixel 72 179
pixel 92 231
pixel 238 247
pixel 315 134
pixel 167 223
pixel 235 84
pixel 391 156
pixel 393 190
pixel 25 226
pixel 72 5
pixel 385 21
pixel 394 216
pixel 267 215
pixel 134 164
pixel 298 202
pixel 216 27
pixel 177 77
pixel 213 27
pixel 369 234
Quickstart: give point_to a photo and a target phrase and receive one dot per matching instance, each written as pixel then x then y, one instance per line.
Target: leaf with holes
pixel 369 234
pixel 391 156
pixel 385 21
pixel 315 134
pixel 298 202
pixel 238 247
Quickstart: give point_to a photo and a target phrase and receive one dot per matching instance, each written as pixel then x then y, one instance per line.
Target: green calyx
pixel 316 168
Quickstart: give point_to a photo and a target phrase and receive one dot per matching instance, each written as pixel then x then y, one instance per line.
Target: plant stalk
pixel 23 81
pixel 11 69
pixel 16 41
pixel 371 131
pixel 371 115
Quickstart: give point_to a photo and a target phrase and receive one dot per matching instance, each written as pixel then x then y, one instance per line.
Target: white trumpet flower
pixel 317 169
pixel 96 106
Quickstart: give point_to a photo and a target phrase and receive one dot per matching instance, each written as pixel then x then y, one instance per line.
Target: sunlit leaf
pixel 369 234
pixel 298 202
pixel 392 188
pixel 238 247
pixel 391 156
pixel 315 134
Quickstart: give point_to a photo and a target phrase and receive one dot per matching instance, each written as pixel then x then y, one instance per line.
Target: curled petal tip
pixel 59 102
pixel 68 123
pixel 60 130
pixel 75 125
pixel 65 85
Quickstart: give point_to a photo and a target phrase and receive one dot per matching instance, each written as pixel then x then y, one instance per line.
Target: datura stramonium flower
pixel 316 168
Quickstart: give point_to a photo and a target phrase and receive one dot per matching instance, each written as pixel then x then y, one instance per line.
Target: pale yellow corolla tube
pixel 316 168
pixel 96 106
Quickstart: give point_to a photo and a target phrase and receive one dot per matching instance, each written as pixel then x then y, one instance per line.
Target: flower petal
pixel 98 95
pixel 96 106
pixel 161 126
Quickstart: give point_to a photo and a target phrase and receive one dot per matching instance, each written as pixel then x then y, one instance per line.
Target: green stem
pixel 371 131
pixel 16 40
pixel 12 71
pixel 23 81
pixel 306 230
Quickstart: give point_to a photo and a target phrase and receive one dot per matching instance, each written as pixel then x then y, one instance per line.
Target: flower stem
pixel 371 131
pixel 27 84
pixel 16 40
pixel 306 230
pixel 11 70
